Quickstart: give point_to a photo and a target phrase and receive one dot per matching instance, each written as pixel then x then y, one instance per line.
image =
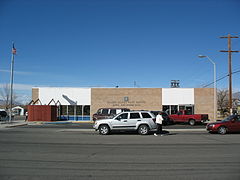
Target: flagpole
pixel 11 84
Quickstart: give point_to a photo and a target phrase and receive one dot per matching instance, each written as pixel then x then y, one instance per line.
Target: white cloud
pixel 21 87
pixel 16 72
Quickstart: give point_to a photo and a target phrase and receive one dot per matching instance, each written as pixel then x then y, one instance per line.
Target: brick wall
pixel 132 98
pixel 203 98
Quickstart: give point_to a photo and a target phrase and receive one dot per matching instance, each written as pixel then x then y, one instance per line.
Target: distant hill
pixel 236 95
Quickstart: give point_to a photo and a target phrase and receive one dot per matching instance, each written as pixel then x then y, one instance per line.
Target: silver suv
pixel 141 121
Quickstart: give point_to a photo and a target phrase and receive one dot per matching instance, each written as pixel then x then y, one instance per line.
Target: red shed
pixel 42 113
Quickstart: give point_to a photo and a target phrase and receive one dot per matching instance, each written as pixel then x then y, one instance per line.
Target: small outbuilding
pixel 18 111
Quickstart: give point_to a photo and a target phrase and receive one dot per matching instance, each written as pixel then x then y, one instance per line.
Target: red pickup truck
pixel 192 119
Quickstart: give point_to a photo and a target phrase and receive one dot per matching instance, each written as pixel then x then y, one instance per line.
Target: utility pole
pixel 229 37
pixel 14 51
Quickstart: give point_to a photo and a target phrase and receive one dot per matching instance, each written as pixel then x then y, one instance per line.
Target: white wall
pixel 81 95
pixel 176 96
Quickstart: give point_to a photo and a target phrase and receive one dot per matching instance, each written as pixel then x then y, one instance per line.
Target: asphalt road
pixel 67 152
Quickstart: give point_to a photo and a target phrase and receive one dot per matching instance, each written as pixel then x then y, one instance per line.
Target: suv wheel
pixel 222 130
pixel 192 122
pixel 104 130
pixel 143 129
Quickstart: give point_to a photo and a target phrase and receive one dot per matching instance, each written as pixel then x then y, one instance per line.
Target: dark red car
pixel 229 124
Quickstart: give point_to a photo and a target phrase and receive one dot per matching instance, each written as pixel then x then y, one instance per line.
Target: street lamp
pixel 214 80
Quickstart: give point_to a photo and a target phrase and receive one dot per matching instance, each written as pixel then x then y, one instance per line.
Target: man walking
pixel 159 120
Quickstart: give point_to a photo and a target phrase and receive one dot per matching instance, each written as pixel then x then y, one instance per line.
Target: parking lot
pixel 75 151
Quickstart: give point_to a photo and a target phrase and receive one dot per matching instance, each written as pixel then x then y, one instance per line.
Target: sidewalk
pixel 14 123
pixel 21 122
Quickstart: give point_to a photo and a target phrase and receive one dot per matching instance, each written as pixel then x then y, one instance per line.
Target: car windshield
pixel 228 118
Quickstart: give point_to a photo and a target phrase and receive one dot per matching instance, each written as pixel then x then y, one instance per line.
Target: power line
pixel 219 79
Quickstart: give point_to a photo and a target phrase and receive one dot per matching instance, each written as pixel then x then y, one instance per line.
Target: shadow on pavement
pixel 164 132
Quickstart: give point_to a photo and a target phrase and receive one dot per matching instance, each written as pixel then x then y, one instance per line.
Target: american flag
pixel 14 51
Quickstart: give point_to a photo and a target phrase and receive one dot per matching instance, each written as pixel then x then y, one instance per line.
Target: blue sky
pixel 108 43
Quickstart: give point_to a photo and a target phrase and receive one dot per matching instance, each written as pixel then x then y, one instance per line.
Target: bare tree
pixel 223 101
pixel 5 95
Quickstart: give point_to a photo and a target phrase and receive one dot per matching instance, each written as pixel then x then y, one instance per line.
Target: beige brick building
pixel 89 100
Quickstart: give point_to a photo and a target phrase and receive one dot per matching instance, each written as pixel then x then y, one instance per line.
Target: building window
pixel 63 110
pixel 86 110
pixel 79 110
pixel 189 109
pixel 181 108
pixel 71 110
pixel 166 109
pixel 173 109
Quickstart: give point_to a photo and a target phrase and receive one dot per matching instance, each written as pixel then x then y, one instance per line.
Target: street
pixel 76 152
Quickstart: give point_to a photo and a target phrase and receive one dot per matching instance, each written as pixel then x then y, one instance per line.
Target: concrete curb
pixel 13 124
pixel 16 125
